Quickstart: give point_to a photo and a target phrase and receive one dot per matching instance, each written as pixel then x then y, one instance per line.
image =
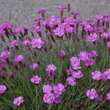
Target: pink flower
pixel 5 54
pixel 57 100
pixel 96 75
pixel 108 96
pixel 20 29
pixel 89 62
pixel 83 56
pixel 89 28
pixel 92 94
pixel 61 53
pixel 77 74
pixel 107 74
pixel 47 88
pixel 37 28
pixel 35 66
pixel 105 35
pixel 19 59
pixel 70 21
pixel 92 37
pixel 69 71
pixel 75 63
pixel 93 54
pixel 36 79
pixel 99 17
pixel 5 26
pixel 59 31
pixel 14 43
pixel 18 101
pixel 71 81
pixel 37 43
pixel 69 29
pixel 49 98
pixel 3 89
pixel 108 44
pixel 59 89
pixel 51 70
pixel 104 77
pixel 53 21
pixel 26 43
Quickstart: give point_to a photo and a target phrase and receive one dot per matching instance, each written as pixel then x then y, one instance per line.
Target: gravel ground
pixel 23 11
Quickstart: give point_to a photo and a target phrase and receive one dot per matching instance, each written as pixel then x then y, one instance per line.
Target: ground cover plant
pixel 61 63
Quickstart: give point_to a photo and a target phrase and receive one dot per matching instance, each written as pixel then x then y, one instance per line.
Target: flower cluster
pixel 53 93
pixel 98 75
pixel 74 72
pixel 88 58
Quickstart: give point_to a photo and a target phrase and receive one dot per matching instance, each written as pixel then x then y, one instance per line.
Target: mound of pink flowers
pixel 58 53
